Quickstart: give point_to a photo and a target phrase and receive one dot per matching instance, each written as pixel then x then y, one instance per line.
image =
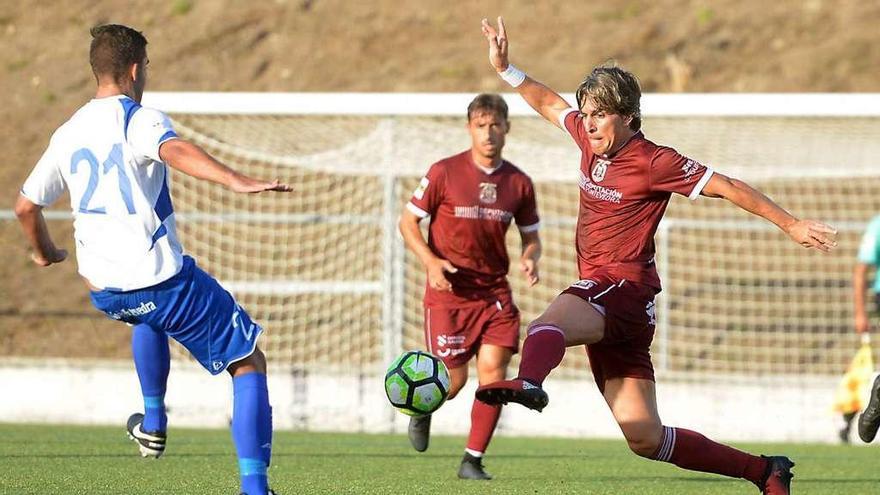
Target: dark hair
pixel 488 103
pixel 613 90
pixel 114 49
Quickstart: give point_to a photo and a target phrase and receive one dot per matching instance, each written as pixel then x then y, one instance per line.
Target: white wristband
pixel 513 76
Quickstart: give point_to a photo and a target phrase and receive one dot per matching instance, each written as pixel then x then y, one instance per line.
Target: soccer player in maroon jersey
pixel 625 184
pixel 471 198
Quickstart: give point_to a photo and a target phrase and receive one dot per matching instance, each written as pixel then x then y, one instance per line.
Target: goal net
pixel 325 271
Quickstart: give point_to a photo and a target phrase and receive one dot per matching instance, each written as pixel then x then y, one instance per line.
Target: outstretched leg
pixel 252 422
pixel 633 403
pixel 570 320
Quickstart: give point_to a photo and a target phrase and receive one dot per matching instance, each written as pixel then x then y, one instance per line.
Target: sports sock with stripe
pixel 152 360
pixel 690 450
pixel 252 431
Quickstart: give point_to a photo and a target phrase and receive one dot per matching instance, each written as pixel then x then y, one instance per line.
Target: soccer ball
pixel 416 383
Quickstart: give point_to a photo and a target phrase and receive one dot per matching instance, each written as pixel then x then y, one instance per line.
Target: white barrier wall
pixel 53 391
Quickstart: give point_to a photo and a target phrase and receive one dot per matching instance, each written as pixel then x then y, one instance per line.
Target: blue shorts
pixel 193 309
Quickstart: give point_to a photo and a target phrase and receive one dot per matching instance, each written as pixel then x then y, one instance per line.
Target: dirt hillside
pixel 384 45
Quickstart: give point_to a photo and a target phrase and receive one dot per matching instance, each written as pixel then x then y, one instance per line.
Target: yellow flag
pixel 849 392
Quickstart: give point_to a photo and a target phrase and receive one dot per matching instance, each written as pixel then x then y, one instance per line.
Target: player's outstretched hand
pixel 57 256
pixel 497 44
pixel 813 234
pixel 437 275
pixel 529 268
pixel 247 185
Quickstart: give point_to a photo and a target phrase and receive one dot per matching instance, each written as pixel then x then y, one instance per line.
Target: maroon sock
pixel 690 450
pixel 542 351
pixel 484 418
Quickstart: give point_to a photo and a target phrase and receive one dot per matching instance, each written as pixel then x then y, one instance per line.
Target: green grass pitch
pixel 37 459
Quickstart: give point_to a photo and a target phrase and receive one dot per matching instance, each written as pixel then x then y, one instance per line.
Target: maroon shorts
pixel 455 333
pixel 624 351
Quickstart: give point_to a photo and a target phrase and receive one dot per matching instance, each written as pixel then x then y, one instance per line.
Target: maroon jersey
pixel 470 211
pixel 622 199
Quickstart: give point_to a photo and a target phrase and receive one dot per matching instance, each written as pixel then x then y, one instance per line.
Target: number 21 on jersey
pixel 114 160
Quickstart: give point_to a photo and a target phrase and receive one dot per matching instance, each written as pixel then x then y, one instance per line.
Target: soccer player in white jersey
pixel 112 156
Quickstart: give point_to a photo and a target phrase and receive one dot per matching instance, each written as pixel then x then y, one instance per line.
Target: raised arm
pixel 194 161
pixel 544 100
pixel 807 233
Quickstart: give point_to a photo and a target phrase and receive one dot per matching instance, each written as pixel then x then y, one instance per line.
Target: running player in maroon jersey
pixel 471 198
pixel 626 182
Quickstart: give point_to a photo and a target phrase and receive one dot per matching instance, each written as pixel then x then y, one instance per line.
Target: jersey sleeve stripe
pixel 415 210
pixel 168 135
pixel 525 229
pixel 563 114
pixel 695 193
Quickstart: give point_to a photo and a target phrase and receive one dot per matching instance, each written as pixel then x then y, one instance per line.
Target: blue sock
pixel 252 431
pixel 152 361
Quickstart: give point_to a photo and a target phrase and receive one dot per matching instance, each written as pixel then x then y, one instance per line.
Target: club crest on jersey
pixel 599 169
pixel 488 192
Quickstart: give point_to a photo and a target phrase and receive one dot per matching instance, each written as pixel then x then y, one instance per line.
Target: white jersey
pixel 107 155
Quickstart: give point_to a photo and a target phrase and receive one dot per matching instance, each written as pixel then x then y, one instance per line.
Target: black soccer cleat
pixel 150 443
pixel 777 478
pixel 419 432
pixel 517 390
pixel 472 468
pixel 869 421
